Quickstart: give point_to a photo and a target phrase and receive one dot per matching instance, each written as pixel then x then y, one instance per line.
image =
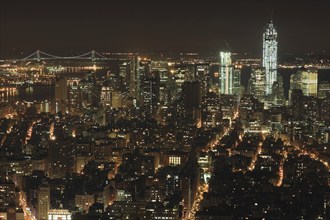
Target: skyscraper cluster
pixel 171 137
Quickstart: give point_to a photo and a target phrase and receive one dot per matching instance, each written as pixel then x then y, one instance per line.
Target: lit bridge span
pixel 92 55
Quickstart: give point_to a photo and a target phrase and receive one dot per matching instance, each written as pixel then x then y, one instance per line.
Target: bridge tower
pixel 93 55
pixel 38 55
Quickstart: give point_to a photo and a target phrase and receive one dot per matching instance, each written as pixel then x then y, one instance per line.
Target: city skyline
pixel 67 27
pixel 169 110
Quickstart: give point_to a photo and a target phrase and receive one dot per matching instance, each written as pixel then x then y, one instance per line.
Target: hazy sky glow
pixel 65 26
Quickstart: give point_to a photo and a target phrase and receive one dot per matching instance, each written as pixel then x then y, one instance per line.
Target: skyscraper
pixel 297 103
pixel 269 59
pixel 61 94
pixel 306 80
pixel 74 94
pixel 88 88
pixel 134 76
pixel 43 202
pixel 201 74
pixel 151 94
pixel 226 73
pixel 257 83
pixel 140 69
pixel 211 110
pixel 106 94
pixel 278 91
pixel 192 95
pixel 237 82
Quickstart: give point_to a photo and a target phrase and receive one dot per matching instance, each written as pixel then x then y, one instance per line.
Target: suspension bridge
pixel 40 55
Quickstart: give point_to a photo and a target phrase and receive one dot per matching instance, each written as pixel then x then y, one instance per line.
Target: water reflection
pixel 30 93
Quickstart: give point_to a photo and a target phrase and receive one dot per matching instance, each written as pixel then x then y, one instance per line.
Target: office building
pixel 106 94
pixel 61 94
pixel 323 89
pixel 257 83
pixel 59 214
pixel 151 94
pixel 84 202
pixel 278 92
pixel 306 80
pixel 226 73
pixel 8 194
pixel 211 110
pixel 202 75
pixel 297 103
pixel 74 94
pixel 43 202
pixel 192 95
pixel 269 59
pixel 237 89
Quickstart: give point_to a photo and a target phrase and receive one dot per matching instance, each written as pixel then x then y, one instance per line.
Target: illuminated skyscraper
pixel 236 82
pixel 151 94
pixel 140 69
pixel 269 59
pixel 257 83
pixel 212 114
pixel 74 94
pixel 306 80
pixel 106 94
pixel 226 73
pixel 201 74
pixel 89 88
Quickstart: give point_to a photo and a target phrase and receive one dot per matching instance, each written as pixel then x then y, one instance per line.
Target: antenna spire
pixel 271 12
pixel 227 45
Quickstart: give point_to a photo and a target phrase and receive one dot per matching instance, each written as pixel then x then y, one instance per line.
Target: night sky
pixel 63 27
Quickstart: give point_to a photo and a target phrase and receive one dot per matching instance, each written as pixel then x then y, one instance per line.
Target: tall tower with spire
pixel 269 59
